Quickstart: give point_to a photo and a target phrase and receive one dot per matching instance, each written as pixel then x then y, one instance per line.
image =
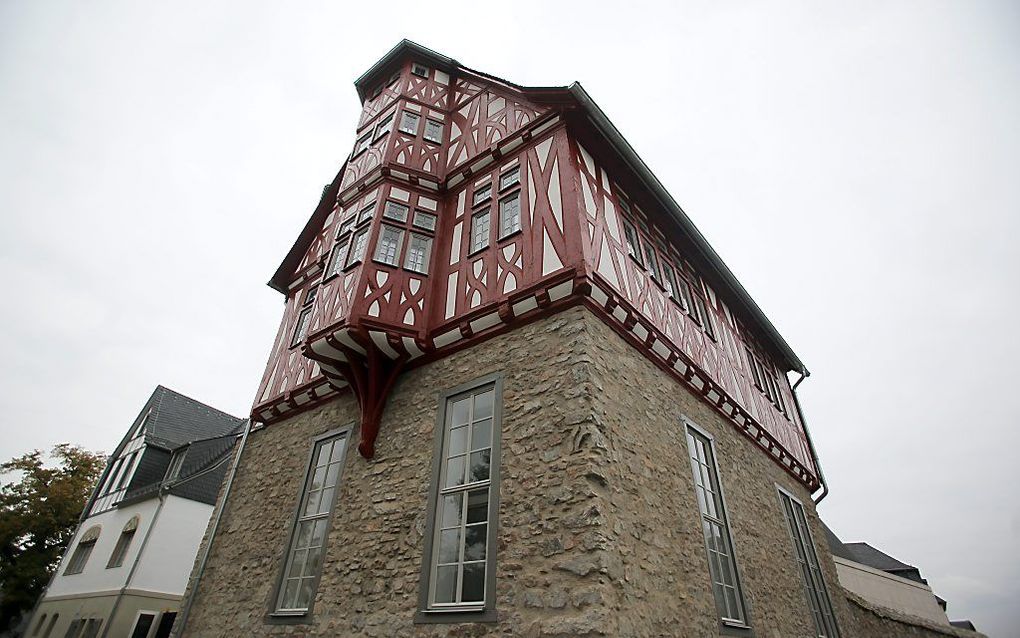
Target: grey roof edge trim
pixel 402 47
pixel 630 156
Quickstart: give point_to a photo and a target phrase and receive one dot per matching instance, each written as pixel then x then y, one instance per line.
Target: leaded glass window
pixel 433 131
pixel 479 231
pixel 357 251
pixel 510 214
pixel 418 251
pixel 396 211
pixel 387 250
pixel 409 123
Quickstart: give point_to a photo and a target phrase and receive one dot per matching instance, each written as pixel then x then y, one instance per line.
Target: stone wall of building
pixel 876 621
pixel 599 529
pixel 369 584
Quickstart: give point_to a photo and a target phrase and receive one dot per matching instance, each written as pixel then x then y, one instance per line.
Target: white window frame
pixel 427 242
pixel 509 226
pixel 386 233
pixel 485 610
pixel 479 240
pixel 405 127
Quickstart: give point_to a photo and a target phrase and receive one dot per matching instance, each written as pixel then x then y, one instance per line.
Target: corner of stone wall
pixel 874 621
pixel 578 584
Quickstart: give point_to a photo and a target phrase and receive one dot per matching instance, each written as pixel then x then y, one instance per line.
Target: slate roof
pixel 176 426
pixel 174 419
pixel 867 555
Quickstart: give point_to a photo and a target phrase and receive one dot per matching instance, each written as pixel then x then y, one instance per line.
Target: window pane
pixel 483 405
pixel 510 215
pixel 510 178
pixel 395 211
pixel 479 231
pixel 458 440
pixel 452 506
pixel 357 252
pixel 455 471
pixel 449 545
pixel 424 220
pixel 389 245
pixel 481 434
pixel 418 251
pixel 474 542
pixel 409 123
pixel 478 506
pixel 473 589
pixel 461 412
pixel 290 594
pixel 482 193
pixel 446 584
pixel 433 131
pixel 326 501
pixel 297 563
pixel 479 466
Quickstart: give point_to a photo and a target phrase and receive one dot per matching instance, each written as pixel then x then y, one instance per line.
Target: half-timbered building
pixel 514 391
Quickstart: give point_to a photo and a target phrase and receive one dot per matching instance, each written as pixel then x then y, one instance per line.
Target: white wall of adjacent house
pixel 890 591
pixel 166 562
pixel 96 577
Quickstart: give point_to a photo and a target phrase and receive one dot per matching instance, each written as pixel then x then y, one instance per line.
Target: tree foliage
pixel 39 512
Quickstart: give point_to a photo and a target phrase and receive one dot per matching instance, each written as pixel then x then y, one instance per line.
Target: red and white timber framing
pixel 370 320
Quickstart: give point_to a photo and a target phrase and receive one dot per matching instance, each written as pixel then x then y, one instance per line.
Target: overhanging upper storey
pixel 469 204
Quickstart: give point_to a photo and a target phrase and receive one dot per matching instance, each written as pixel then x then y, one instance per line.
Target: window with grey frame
pixel 303 562
pixel 729 598
pixel 811 572
pixel 458 573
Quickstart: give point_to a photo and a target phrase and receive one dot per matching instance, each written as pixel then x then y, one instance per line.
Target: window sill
pixel 635 259
pixel 352 265
pixel 452 616
pixel 510 235
pixel 734 628
pixel 289 618
pixel 476 251
pixel 379 262
pixel 509 187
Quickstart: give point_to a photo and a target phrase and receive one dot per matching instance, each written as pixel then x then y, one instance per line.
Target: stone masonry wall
pixel 599 529
pixel 549 552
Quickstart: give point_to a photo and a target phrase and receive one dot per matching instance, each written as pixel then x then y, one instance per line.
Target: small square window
pixel 433 131
pixel 396 211
pixel 383 127
pixel 420 70
pixel 418 251
pixel 509 178
pixel 482 194
pixel 479 231
pixel 409 123
pixel 510 215
pixel 363 143
pixel 310 295
pixel 387 250
pixel 424 220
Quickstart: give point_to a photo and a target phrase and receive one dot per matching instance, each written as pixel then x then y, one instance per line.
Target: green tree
pixel 39 512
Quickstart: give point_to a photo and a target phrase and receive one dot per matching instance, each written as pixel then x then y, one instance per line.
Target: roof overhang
pixel 385 64
pixel 630 157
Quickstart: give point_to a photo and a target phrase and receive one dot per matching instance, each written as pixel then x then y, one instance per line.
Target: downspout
pixel 807 433
pixel 134 565
pixel 182 617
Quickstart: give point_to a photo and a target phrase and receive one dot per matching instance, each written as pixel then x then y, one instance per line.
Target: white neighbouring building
pixel 125 571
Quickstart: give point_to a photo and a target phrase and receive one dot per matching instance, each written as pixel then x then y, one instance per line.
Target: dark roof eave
pixel 634 161
pixel 404 46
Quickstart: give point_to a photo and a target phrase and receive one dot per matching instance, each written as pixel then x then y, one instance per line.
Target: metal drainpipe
pixel 811 445
pixel 182 618
pixel 134 565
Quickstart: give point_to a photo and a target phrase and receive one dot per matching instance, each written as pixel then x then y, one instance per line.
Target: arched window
pixel 81 554
pixel 120 550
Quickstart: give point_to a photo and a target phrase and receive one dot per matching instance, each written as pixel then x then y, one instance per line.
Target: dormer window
pixel 420 70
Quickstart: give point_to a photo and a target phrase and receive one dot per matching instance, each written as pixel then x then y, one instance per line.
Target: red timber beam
pixel 370 377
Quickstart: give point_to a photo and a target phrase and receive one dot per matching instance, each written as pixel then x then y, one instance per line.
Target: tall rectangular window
pixel 729 599
pixel 383 127
pixel 363 143
pixel 409 123
pixel 633 243
pixel 458 573
pixel 418 250
pixel 510 214
pixel 479 231
pixel 301 328
pixel 650 261
pixel 308 538
pixel 810 571
pixel 387 250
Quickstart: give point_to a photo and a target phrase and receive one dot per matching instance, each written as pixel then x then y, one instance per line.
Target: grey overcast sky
pixel 856 164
